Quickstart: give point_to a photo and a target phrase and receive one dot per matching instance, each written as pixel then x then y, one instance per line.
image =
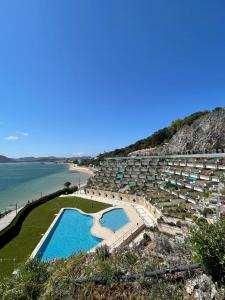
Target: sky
pixel 83 77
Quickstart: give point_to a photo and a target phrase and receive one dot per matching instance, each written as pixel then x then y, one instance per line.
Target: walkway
pixel 6 220
pixel 141 211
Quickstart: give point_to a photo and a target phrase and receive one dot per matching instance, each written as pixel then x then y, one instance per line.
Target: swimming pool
pixel 114 219
pixel 70 234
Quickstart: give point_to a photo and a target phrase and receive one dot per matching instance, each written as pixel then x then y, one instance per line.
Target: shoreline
pixel 17 195
pixel 86 170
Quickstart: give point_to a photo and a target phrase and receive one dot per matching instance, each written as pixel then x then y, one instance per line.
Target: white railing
pixel 125 236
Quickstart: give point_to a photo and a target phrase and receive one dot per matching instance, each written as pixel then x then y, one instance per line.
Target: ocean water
pixel 22 182
pixel 71 234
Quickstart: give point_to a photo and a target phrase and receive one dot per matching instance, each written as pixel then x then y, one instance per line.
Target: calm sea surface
pixel 20 182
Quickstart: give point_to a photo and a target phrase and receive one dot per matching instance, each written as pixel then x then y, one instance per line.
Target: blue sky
pixel 91 76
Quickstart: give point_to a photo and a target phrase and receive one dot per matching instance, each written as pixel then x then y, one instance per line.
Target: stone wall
pixel 127 198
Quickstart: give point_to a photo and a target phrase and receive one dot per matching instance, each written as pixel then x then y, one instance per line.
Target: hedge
pixel 12 230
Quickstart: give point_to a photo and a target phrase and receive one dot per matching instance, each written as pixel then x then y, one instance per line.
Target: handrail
pixel 134 277
pixel 133 228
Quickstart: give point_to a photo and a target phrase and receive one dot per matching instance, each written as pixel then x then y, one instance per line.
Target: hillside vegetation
pixel 60 279
pixel 202 123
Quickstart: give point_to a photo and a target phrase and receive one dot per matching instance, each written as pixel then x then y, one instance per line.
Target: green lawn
pixel 36 223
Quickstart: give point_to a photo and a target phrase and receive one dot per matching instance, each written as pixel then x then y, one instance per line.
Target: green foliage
pixel 176 125
pixel 146 239
pixel 160 290
pixel 178 223
pixel 218 108
pixel 206 194
pixel 107 269
pixel 206 211
pixel 182 207
pixel 102 252
pixel 130 257
pixel 28 284
pixel 67 184
pixel 57 280
pixel 208 241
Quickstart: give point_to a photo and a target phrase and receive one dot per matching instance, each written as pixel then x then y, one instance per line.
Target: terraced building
pixel 175 189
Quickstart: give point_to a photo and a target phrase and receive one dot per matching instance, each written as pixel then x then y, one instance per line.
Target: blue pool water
pixel 71 234
pixel 114 219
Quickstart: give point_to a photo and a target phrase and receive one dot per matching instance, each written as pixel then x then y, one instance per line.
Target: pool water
pixel 114 219
pixel 71 234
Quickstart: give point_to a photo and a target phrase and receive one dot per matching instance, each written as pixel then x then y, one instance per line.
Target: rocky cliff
pixel 205 134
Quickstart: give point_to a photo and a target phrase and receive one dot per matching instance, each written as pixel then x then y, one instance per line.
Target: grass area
pixel 36 223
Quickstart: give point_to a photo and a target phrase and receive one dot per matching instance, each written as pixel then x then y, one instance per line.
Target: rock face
pixel 202 288
pixel 206 133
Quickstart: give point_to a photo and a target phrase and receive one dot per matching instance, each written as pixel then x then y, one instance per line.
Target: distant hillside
pixel 200 131
pixel 37 159
pixel 4 159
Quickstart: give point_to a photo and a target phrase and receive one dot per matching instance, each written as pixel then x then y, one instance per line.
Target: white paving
pixel 6 220
pixel 141 211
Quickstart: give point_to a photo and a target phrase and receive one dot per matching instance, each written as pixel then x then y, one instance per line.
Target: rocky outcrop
pixel 205 134
pixel 202 288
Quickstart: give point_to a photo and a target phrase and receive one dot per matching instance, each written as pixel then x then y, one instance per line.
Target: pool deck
pixel 138 215
pixel 7 219
pixel 114 239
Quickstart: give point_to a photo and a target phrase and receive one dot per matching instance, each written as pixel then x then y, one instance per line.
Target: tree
pixel 67 184
pixel 208 241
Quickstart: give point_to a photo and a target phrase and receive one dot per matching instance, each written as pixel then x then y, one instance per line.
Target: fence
pixel 12 230
pixel 134 277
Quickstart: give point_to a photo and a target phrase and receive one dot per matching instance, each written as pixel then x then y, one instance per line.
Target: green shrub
pixel 206 211
pixel 28 284
pixel 208 241
pixel 131 258
pixel 102 252
pixel 206 194
pixel 178 223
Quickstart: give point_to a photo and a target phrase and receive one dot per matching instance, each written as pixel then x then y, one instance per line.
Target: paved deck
pixel 141 210
pixel 6 220
pixel 114 239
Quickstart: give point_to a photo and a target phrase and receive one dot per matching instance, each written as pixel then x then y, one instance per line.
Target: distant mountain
pixel 48 159
pixel 37 159
pixel 4 159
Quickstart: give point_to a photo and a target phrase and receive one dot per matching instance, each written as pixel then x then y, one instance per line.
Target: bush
pixel 146 239
pixel 208 241
pixel 102 252
pixel 131 258
pixel 28 284
pixel 178 223
pixel 207 211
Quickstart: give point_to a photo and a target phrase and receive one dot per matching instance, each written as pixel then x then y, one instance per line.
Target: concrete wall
pixel 156 213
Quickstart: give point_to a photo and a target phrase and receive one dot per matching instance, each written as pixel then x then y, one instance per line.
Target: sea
pixel 23 182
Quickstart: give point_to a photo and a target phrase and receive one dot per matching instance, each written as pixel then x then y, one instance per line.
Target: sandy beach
pixel 86 170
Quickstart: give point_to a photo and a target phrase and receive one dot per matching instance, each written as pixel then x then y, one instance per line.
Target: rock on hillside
pixel 206 133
